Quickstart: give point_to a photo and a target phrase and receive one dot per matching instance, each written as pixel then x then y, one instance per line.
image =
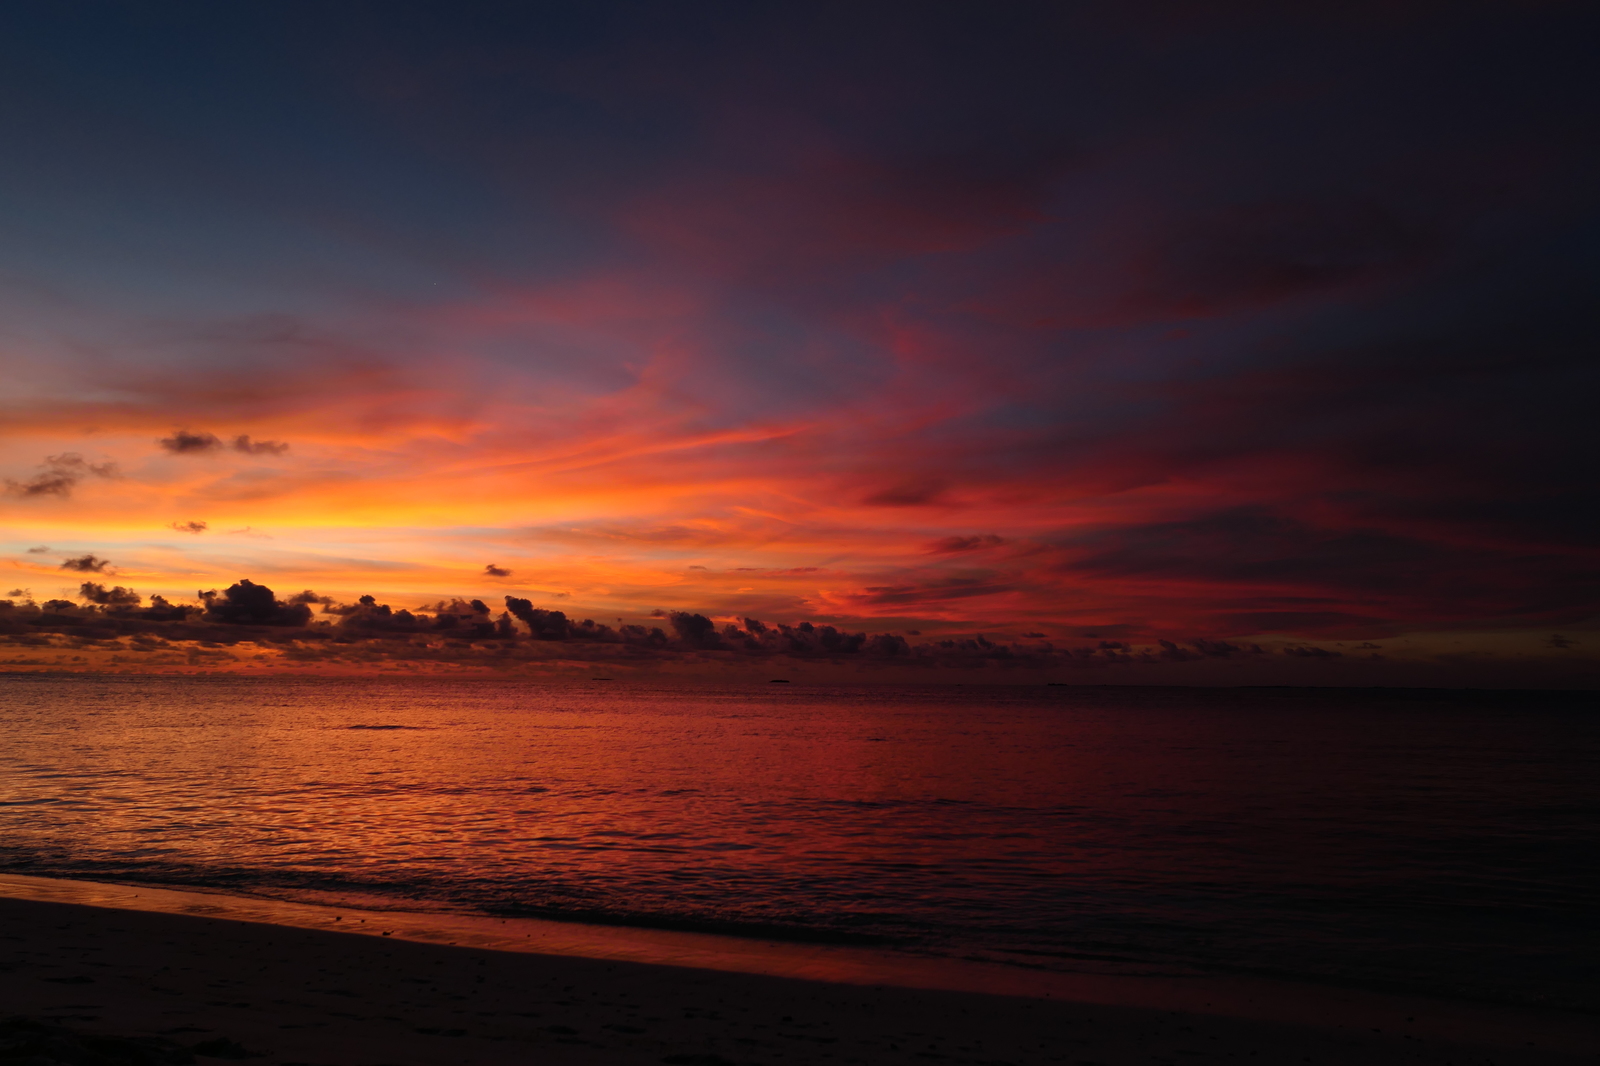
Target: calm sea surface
pixel 1438 842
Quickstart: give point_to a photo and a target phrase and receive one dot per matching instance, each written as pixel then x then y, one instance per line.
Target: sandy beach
pixel 169 986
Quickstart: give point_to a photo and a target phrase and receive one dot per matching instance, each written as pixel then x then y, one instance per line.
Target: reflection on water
pixel 1426 842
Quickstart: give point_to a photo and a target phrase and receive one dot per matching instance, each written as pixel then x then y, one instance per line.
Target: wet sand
pixel 291 992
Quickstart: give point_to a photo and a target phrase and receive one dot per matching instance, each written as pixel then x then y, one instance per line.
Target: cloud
pixel 928 594
pixel 909 494
pixel 245 446
pixel 542 624
pixel 247 603
pixel 40 549
pixel 188 442
pixel 189 527
pixel 882 285
pixel 696 630
pixel 183 442
pixel 113 597
pixel 59 475
pixel 87 564
pixel 467 634
pixel 954 545
pixel 1556 640
pixel 1195 261
pixel 496 571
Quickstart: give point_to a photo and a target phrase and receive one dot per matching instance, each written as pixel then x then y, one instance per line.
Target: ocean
pixel 1446 843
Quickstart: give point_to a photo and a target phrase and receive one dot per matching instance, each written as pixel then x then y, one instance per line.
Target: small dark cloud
pixel 112 597
pixel 1216 649
pixel 912 494
pixel 59 474
pixel 932 593
pixel 1035 636
pixel 1199 648
pixel 183 442
pixel 42 549
pixel 308 597
pixel 189 527
pixel 46 484
pixel 953 545
pixel 245 446
pixel 1556 640
pixel 496 571
pixel 20 592
pixel 696 567
pixel 87 564
pixel 1310 652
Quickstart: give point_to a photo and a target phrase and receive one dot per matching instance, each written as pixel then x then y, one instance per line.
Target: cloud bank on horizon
pixel 1099 322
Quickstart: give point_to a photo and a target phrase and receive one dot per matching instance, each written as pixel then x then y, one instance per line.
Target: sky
pixel 1260 327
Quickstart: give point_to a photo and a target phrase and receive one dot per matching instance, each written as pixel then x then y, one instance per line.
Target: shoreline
pixel 1132 1015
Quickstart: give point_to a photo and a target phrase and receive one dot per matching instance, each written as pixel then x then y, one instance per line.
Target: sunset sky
pixel 1271 324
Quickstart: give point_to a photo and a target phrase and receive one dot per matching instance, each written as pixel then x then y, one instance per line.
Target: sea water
pixel 1433 842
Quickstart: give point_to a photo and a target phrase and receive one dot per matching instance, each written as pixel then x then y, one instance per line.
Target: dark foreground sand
pixel 221 988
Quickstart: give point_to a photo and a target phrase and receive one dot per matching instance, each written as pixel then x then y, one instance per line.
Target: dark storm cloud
pixel 59 475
